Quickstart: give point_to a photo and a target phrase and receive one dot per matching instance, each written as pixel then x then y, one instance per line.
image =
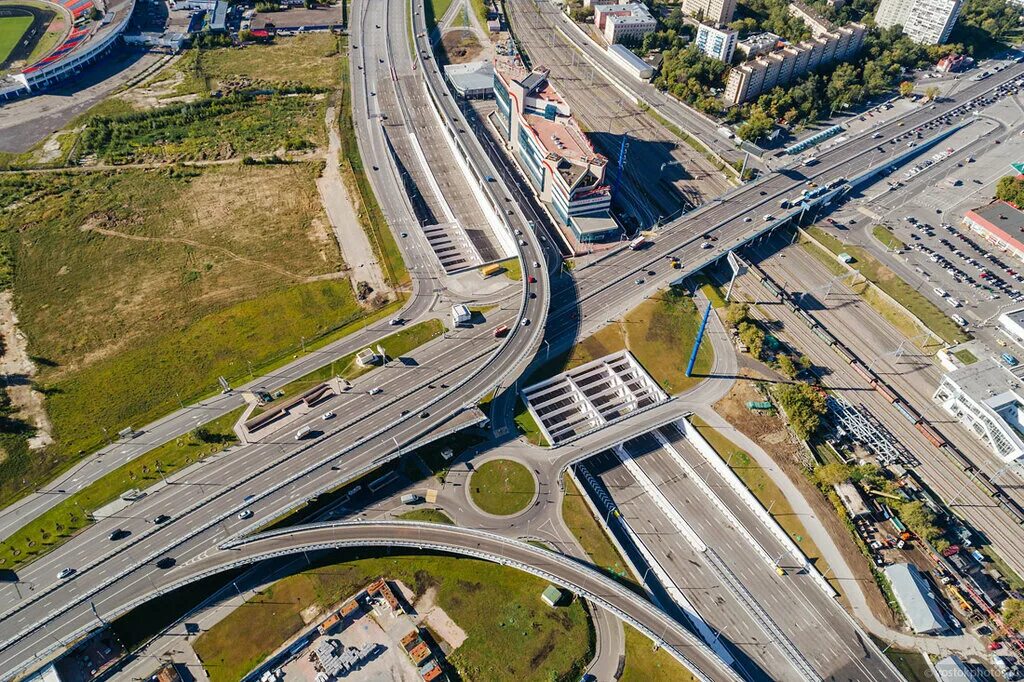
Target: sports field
pixel 11 31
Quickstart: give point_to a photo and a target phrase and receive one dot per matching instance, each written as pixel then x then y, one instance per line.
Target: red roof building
pixel 1002 224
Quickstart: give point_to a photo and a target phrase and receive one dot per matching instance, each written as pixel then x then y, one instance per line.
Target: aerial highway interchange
pixel 214 511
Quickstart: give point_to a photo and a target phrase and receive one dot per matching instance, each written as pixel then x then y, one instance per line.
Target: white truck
pixel 461 315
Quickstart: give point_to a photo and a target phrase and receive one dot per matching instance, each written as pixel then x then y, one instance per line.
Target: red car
pixel 532 279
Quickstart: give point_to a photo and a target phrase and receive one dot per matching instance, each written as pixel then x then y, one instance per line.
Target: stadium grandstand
pixel 88 36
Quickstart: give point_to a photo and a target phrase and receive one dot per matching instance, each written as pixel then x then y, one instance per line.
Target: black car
pixel 424 415
pixel 165 562
pixel 118 534
pixel 163 518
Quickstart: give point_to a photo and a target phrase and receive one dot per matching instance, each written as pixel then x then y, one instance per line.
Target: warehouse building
pixel 988 399
pixel 1001 224
pixel 916 599
pixel 636 67
pixel 554 153
pixel 473 80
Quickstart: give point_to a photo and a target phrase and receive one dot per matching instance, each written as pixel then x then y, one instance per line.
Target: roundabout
pixel 502 487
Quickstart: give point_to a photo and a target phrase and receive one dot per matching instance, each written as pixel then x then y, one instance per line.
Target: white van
pixel 303 432
pixel 959 320
pixel 940 292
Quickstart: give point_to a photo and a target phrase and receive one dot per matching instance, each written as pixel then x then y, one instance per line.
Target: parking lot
pixel 923 204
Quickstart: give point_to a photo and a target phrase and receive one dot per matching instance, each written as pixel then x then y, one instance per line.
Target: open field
pixel 889 282
pixel 54 527
pixel 11 31
pixel 592 538
pixel 512 634
pixel 643 664
pixel 502 487
pixel 184 276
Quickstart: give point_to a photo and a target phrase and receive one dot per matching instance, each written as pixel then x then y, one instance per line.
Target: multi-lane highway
pixel 284 473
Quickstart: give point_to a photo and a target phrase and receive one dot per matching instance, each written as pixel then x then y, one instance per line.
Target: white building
pixel 629 61
pixel 624 23
pixel 925 21
pixel 1012 322
pixel 717 43
pixel 988 399
pixel 716 12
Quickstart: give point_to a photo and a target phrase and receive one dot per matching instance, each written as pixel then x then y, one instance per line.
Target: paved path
pixel 841 571
pixel 352 240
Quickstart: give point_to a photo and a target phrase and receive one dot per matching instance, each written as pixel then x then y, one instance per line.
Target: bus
pixel 490 270
pixel 637 243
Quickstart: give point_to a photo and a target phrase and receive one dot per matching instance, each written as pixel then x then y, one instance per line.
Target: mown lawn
pixel 502 487
pixel 887 238
pixel 888 281
pixel 11 31
pixel 54 527
pixel 512 634
pixel 428 516
pixel 643 664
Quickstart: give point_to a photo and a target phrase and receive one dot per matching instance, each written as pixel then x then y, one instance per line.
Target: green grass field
pixel 11 31
pixel 643 664
pixel 511 634
pixel 502 487
pixel 589 533
pixel 427 516
pixel 183 276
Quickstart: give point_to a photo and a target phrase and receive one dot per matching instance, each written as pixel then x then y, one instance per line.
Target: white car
pixel 65 573
pixel 375 390
pixel 525 322
pixel 768 216
pixel 705 245
pixel 329 414
pixel 245 514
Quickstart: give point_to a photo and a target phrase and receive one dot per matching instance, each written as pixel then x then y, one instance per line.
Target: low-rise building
pixel 781 66
pixel 1001 224
pixel 916 599
pixel 624 23
pixel 555 154
pixel 717 43
pixel 852 500
pixel 988 399
pixel 1012 322
pixel 953 669
pixel 630 62
pixel 473 80
pixel 758 44
pixel 954 63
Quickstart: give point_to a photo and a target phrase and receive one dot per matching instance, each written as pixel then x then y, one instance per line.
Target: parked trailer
pixel 886 391
pixel 931 434
pixel 808 320
pixel 964 463
pixel 770 286
pixel 841 350
pixel 824 336
pixel 490 270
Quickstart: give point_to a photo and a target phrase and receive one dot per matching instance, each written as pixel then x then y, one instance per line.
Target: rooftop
pixel 760 40
pixel 470 76
pixel 915 598
pixel 1002 217
pixel 633 10
pixel 563 138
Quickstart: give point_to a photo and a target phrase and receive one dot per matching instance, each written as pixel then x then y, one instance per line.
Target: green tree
pixel 906 89
pixel 932 92
pixel 736 313
pixel 757 125
pixel 787 366
pixel 1010 189
pixel 752 337
pixel 1013 613
pixel 919 519
pixel 803 406
pixel 832 474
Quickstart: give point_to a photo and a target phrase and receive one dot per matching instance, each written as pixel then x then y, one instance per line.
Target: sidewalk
pixel 841 571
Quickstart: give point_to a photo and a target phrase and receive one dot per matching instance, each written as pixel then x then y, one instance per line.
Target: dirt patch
pixel 769 431
pixel 16 373
pixel 50 150
pixel 461 45
pixel 310 613
pixel 438 620
pixel 159 91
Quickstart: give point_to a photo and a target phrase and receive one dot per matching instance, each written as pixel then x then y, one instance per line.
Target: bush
pixel 1011 190
pixel 803 406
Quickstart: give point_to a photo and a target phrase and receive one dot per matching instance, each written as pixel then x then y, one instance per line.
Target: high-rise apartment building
pixel 717 43
pixel 925 21
pixel 710 11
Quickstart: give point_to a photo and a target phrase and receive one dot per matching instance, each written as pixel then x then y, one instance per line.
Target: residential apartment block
pixel 624 23
pixel 717 43
pixel 717 12
pixel 782 66
pixel 552 150
pixel 925 21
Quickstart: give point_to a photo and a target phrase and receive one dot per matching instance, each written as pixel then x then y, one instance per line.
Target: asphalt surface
pixel 606 288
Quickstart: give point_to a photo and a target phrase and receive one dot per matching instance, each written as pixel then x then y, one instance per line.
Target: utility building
pixel 916 599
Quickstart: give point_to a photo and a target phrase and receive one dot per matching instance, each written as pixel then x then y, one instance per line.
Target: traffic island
pixel 502 487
